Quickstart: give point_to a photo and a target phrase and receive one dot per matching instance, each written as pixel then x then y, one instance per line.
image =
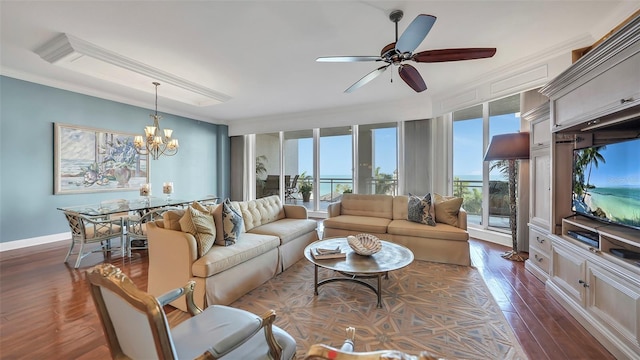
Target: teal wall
pixel 28 112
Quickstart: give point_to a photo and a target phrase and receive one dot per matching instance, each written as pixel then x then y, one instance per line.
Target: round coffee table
pixel 355 267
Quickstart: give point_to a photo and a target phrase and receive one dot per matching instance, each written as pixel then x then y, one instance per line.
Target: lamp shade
pixel 508 147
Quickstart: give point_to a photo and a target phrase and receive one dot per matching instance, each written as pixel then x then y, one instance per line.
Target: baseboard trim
pixel 490 236
pixel 40 240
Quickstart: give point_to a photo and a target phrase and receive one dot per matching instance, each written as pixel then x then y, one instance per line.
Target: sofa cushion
pixel 286 229
pixel 172 218
pixel 380 206
pixel 447 208
pixel 440 231
pixel 420 210
pixel 231 224
pixel 198 222
pixel 220 258
pixel 261 211
pixel 366 224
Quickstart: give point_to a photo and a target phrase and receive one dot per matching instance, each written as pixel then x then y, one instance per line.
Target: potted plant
pixel 305 187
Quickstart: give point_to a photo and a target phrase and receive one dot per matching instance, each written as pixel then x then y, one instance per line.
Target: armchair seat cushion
pixel 357 223
pixel 286 229
pixel 220 258
pixel 440 231
pixel 102 230
pixel 219 325
pixel 227 326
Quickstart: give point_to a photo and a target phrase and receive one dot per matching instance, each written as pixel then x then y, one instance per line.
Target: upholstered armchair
pixel 136 326
pixel 86 230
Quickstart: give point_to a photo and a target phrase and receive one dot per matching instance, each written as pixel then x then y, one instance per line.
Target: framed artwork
pixel 96 160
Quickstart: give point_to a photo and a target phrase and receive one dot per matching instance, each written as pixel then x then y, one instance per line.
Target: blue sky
pixel 336 154
pixel 621 166
pixel 468 152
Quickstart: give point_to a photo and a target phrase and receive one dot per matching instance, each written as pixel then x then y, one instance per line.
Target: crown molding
pixel 626 38
pixel 516 67
pixel 80 55
pixel 110 96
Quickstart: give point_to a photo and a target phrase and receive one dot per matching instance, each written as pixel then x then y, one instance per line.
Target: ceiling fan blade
pixel 370 76
pixel 415 33
pixel 412 77
pixel 348 58
pixel 431 56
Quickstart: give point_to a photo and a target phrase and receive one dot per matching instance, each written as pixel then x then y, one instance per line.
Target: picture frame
pixel 96 160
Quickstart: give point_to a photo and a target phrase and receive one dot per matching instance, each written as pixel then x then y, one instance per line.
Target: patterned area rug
pixel 446 310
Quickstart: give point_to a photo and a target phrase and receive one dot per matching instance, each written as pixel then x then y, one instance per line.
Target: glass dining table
pixel 139 206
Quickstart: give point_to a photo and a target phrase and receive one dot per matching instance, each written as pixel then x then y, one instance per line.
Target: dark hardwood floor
pixel 46 310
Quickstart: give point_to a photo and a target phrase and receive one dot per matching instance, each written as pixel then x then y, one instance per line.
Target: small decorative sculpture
pixel 364 244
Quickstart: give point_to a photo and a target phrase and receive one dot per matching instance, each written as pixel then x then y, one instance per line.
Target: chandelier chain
pixel 156 142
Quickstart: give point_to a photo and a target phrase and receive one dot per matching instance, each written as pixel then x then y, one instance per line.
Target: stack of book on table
pixel 320 253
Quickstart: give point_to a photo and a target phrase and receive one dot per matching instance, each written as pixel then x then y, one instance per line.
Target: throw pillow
pixel 447 209
pixel 420 210
pixel 199 224
pixel 172 218
pixel 231 223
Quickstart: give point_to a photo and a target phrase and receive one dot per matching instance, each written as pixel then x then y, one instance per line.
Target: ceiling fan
pixel 402 49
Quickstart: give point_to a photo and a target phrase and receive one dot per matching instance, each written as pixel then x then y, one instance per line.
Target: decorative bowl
pixel 364 244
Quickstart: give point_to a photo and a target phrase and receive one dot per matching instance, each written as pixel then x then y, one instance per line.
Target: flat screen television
pixel 606 183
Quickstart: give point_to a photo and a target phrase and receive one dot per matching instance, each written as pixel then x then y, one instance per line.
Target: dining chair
pixel 136 326
pixel 119 205
pixel 291 188
pixel 97 229
pixel 346 352
pixel 136 228
pixel 272 185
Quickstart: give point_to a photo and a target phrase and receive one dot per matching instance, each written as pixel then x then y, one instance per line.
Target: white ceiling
pixel 262 53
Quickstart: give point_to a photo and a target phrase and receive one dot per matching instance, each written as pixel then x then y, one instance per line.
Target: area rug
pixel 446 310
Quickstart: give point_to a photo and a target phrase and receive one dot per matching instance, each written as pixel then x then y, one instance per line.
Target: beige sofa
pixel 272 239
pixel 386 217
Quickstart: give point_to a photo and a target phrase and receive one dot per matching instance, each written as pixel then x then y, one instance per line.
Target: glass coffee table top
pixel 357 267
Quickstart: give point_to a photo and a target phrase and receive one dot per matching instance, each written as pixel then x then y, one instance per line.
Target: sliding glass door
pixel 267 165
pixel 483 186
pixel 504 118
pixel 468 152
pixel 298 166
pixel 377 159
pixel 336 165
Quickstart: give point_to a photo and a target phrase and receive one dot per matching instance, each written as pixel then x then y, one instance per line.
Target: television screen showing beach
pixel 606 182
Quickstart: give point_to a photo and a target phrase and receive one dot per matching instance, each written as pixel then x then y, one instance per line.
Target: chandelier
pixel 153 143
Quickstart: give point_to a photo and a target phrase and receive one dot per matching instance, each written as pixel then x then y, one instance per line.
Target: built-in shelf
pixel 609 236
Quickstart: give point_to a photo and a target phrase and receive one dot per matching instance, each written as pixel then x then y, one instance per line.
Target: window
pixel 504 118
pixel 468 151
pixel 298 161
pixel 377 159
pixel 472 130
pixel 267 165
pixel 336 166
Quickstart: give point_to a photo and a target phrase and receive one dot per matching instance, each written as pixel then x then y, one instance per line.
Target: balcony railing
pixel 471 192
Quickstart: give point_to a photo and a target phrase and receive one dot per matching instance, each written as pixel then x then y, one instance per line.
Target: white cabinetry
pixel 540 191
pixel 604 81
pixel 539 261
pixel 540 199
pixel 596 99
pixel 599 289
